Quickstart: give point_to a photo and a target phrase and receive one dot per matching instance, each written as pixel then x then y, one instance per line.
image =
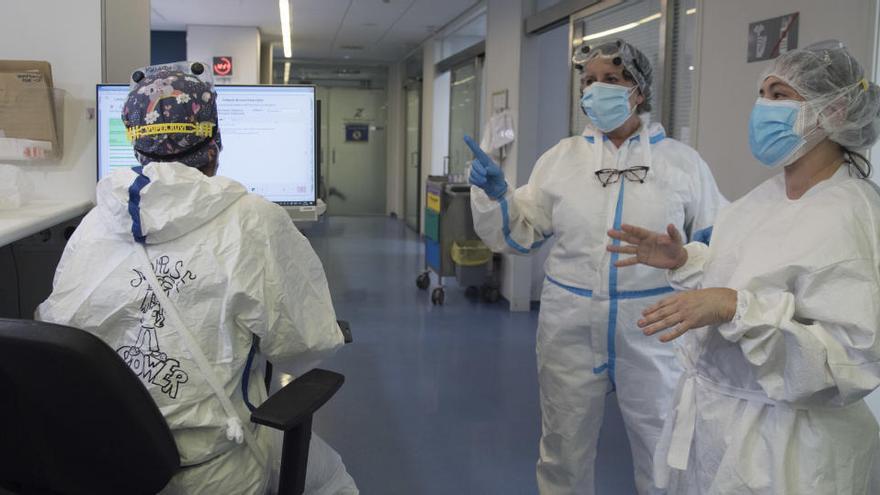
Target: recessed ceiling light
pixel 284 12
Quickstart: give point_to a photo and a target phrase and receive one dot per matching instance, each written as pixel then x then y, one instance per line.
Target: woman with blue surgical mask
pixel 623 168
pixel 780 314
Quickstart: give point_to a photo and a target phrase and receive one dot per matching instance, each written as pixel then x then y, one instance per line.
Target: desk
pixel 36 216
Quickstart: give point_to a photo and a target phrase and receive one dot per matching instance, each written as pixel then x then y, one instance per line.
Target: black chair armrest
pixel 298 401
pixel 345 327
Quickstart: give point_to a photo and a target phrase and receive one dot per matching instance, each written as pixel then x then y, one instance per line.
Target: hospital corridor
pixel 424 430
pixel 458 247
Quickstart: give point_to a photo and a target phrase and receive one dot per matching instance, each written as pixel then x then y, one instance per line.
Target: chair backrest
pixel 74 418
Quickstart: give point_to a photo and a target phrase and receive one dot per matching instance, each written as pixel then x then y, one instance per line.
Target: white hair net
pixel 634 62
pixel 834 86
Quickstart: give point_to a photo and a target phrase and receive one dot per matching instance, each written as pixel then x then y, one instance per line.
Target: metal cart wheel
pixel 472 292
pixel 423 281
pixel 438 296
pixel 490 294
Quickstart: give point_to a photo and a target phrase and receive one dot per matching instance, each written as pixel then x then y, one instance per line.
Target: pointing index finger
pixel 479 154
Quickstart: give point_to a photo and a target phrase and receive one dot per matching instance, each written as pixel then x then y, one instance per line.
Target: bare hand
pixel 688 310
pixel 650 248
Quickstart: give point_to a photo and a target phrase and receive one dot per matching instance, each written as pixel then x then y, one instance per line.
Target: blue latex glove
pixel 485 173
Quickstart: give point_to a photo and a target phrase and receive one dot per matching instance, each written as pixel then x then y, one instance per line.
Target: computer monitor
pixel 269 139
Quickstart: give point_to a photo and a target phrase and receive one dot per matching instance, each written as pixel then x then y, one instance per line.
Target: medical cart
pixel 448 225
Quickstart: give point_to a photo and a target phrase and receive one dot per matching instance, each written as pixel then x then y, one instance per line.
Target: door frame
pixel 407 86
pixel 332 145
pixel 477 62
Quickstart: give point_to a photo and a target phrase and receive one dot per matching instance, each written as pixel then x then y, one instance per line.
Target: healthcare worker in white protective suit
pixel 235 270
pixel 781 340
pixel 622 169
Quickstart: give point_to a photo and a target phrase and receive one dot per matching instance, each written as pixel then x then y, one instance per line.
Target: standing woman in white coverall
pixel 622 169
pixel 781 343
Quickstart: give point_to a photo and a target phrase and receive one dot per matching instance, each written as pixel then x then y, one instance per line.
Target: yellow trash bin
pixel 471 262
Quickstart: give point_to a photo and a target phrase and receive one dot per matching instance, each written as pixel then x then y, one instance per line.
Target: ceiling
pixel 332 74
pixel 355 30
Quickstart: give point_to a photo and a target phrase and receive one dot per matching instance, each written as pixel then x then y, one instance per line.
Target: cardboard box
pixel 27 106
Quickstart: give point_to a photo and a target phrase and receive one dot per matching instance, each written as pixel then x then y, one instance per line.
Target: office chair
pixel 74 418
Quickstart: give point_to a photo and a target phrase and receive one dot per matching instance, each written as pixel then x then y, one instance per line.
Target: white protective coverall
pixel 588 342
pixel 235 267
pixel 771 402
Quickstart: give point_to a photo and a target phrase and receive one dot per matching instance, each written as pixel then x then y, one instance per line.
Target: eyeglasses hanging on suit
pixel 609 176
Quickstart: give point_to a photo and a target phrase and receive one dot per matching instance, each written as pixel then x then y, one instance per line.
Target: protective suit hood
pixel 166 200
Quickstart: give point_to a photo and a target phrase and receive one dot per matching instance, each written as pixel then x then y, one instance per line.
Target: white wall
pixel 551 95
pixel 203 43
pixel 267 62
pixel 728 85
pixel 395 140
pixel 126 38
pixel 70 40
pixel 504 70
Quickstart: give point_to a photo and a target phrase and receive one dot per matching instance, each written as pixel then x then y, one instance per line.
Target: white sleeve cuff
pixel 689 275
pixel 734 330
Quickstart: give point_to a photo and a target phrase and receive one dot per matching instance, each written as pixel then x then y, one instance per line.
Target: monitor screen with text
pixel 268 135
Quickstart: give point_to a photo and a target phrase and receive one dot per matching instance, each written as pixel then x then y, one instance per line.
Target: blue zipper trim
pixel 624 294
pixel 612 290
pixel 246 374
pixel 656 138
pixel 639 294
pixel 134 203
pixel 505 219
pixel 574 290
pixel 704 236
pixel 614 295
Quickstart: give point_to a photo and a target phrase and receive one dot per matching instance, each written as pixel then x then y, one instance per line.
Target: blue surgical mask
pixel 607 105
pixel 779 132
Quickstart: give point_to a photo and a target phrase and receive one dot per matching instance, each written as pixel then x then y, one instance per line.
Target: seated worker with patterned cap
pixel 234 273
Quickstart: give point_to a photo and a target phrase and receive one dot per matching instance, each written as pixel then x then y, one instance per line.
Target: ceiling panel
pixel 176 14
pixel 377 11
pixel 387 29
pixel 436 14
